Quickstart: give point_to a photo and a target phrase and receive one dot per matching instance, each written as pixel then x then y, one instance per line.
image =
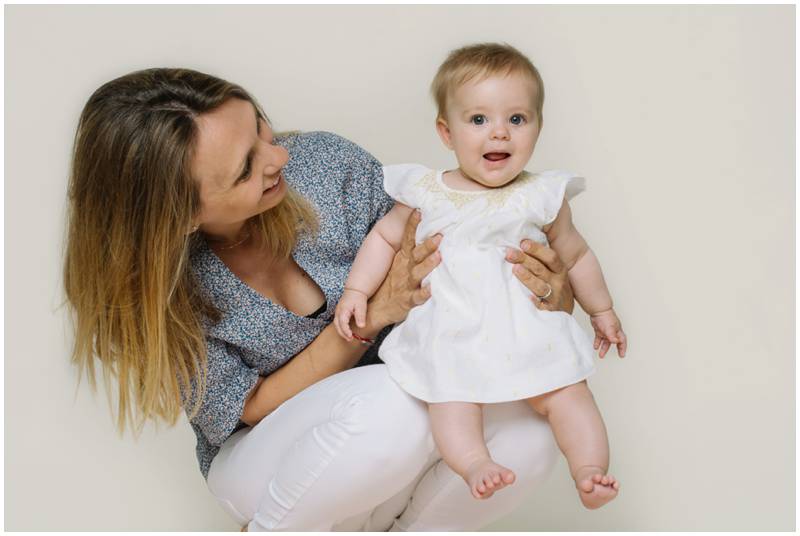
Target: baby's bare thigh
pixel 570 394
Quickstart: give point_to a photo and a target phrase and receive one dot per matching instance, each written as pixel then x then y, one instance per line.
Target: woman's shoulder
pixel 321 144
pixel 215 281
pixel 323 166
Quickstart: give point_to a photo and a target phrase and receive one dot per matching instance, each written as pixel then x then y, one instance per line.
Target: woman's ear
pixel 195 225
pixel 444 132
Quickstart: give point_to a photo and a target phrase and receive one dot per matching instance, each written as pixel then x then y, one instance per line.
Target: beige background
pixel 682 119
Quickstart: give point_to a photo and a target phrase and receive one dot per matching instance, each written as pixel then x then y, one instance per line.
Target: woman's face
pixel 237 166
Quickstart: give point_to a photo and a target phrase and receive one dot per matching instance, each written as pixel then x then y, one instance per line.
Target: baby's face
pixel 492 126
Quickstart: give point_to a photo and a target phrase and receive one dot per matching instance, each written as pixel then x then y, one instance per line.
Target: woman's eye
pixel 478 119
pixel 248 168
pixel 517 119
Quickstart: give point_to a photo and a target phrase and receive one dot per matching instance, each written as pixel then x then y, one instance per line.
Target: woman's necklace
pixel 239 243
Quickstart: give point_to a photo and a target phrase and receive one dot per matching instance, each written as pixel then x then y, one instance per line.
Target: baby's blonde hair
pixel 481 61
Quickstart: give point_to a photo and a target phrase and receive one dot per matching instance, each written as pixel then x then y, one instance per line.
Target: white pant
pixel 355 452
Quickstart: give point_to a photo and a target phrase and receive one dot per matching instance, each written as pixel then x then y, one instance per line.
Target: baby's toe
pixel 509 477
pixel 597 478
pixel 496 478
pixel 604 480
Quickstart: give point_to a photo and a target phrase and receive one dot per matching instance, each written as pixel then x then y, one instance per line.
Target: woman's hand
pixel 401 289
pixel 541 270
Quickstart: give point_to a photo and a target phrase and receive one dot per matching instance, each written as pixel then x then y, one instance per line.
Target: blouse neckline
pixel 260 297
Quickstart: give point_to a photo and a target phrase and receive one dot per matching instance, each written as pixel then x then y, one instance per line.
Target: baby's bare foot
pixel 484 477
pixel 595 488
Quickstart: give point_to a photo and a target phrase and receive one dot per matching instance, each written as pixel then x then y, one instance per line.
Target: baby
pixel 478 339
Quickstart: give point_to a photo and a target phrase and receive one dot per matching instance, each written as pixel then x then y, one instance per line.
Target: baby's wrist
pixel 352 289
pixel 604 312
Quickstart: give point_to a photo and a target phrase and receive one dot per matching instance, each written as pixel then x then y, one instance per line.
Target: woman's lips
pixel 274 186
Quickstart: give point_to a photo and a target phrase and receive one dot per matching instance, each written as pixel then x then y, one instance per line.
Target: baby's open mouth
pixel 494 157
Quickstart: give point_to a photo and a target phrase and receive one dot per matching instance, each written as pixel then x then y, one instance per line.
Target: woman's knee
pixel 387 416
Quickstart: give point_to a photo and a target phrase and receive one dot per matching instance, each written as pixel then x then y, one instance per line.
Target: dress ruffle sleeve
pixel 400 182
pixel 556 186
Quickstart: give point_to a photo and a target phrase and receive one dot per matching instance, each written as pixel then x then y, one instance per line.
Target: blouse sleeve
pixel 352 172
pixel 372 171
pixel 400 182
pixel 228 383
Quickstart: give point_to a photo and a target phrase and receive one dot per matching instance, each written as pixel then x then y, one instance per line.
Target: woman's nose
pixel 276 159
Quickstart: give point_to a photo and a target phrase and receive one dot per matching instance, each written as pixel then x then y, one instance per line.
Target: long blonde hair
pixel 136 306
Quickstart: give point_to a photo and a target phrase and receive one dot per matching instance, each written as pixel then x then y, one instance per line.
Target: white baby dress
pixel 479 338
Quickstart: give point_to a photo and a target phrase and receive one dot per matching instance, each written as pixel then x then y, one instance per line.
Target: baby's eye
pixel 517 119
pixel 478 119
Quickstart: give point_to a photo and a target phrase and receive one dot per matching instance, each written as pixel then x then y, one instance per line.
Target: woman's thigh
pixel 341 446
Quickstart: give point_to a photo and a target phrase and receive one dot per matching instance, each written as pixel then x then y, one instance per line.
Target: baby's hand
pixel 608 331
pixel 352 303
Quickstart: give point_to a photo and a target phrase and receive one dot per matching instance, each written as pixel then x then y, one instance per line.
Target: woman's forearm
pixel 325 356
pixel 329 353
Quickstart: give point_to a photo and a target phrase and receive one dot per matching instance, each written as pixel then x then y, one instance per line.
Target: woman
pixel 204 261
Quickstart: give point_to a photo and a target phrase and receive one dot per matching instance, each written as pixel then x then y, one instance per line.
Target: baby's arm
pixel 585 274
pixel 370 267
pixel 586 278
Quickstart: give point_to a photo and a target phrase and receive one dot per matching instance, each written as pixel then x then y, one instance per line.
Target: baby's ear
pixel 444 132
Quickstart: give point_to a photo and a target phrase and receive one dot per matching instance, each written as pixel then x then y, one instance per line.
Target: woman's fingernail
pixel 437 239
pixel 526 245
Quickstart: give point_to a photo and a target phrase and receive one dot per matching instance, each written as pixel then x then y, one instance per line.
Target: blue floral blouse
pixel 255 336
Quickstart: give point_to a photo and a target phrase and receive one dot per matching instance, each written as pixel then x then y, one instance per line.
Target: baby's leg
pixel 581 436
pixel 458 432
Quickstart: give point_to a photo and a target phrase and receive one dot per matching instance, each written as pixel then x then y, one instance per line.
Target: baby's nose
pixel 500 132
